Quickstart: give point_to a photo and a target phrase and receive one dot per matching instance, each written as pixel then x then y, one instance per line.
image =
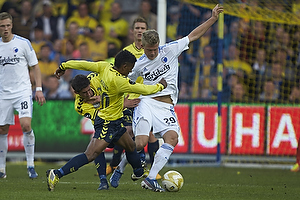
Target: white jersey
pixel 165 65
pixel 15 58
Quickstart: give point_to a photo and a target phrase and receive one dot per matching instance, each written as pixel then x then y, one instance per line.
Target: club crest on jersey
pixel 9 61
pixel 15 49
pixel 164 59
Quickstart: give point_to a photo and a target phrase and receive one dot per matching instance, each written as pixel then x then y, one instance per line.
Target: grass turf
pixel 199 183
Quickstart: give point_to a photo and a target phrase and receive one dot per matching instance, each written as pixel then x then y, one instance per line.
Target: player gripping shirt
pixel 113 85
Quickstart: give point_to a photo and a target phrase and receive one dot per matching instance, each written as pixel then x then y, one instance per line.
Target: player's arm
pixel 201 29
pixel 81 65
pixel 125 85
pixel 39 96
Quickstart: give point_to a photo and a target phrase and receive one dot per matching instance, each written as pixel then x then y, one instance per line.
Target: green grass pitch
pixel 199 183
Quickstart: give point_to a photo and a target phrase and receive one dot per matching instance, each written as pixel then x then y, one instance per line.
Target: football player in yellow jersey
pixel 88 104
pixel 108 123
pixel 139 26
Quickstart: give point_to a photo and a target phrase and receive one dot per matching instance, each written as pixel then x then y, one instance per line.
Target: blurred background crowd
pixel 261 59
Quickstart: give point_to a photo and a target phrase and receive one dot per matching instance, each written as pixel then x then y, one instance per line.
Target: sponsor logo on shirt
pixel 152 76
pixel 9 61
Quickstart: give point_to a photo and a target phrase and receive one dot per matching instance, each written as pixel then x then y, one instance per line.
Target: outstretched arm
pixel 201 29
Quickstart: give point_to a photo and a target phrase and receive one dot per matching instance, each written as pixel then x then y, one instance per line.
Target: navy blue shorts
pixel 110 131
pixel 128 113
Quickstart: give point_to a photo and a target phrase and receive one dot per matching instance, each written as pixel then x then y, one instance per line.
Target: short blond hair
pixel 5 15
pixel 150 37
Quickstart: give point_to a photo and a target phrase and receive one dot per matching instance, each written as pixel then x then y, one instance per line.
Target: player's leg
pixel 24 106
pixel 6 119
pixel 3 149
pixel 153 145
pixel 296 166
pixel 95 147
pixel 117 154
pixel 100 164
pixel 164 152
pixel 133 158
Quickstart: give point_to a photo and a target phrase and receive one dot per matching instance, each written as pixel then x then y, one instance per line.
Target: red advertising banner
pixel 205 129
pixel 15 136
pixel 247 130
pixel 183 116
pixel 283 130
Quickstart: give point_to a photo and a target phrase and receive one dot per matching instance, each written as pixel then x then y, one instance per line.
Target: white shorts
pixel 161 116
pixel 23 105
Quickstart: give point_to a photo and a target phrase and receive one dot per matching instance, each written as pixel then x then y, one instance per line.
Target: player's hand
pixel 94 100
pixel 131 103
pixel 216 11
pixel 163 82
pixel 58 73
pixel 39 97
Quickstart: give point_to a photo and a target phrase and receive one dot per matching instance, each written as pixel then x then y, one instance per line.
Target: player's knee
pixel 4 129
pixel 171 137
pixel 26 127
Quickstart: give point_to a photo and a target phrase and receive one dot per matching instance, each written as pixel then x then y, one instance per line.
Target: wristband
pixel 38 89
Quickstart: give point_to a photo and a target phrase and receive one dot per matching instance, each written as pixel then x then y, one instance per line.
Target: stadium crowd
pixel 261 59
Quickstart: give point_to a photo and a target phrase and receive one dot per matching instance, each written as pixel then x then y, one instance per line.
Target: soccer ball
pixel 172 181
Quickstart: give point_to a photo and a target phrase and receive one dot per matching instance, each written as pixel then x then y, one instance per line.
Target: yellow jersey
pixel 86 109
pixel 137 53
pixel 113 85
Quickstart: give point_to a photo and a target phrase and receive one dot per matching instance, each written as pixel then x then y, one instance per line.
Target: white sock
pixel 3 151
pixel 160 159
pixel 28 141
pixel 122 164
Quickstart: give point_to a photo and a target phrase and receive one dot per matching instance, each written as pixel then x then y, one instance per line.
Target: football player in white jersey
pixel 16 55
pixel 156 111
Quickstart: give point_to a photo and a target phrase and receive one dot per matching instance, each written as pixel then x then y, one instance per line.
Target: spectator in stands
pixel 56 52
pixel 268 94
pixel 23 22
pixel 101 10
pixel 260 71
pixel 72 36
pixel 281 56
pixel 86 23
pixel 84 52
pixel 52 91
pixel 239 93
pixel 232 36
pixel 251 40
pixel 116 28
pixel 39 40
pixel 282 85
pixel 190 16
pixel 70 50
pixel 53 27
pixel 203 74
pixel 47 66
pixel 145 12
pixel 235 65
pixel 295 95
pixel 174 14
pixel 98 45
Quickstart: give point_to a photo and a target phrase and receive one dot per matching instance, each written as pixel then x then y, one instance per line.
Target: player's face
pixel 5 29
pixel 127 69
pixel 86 93
pixel 151 51
pixel 138 30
